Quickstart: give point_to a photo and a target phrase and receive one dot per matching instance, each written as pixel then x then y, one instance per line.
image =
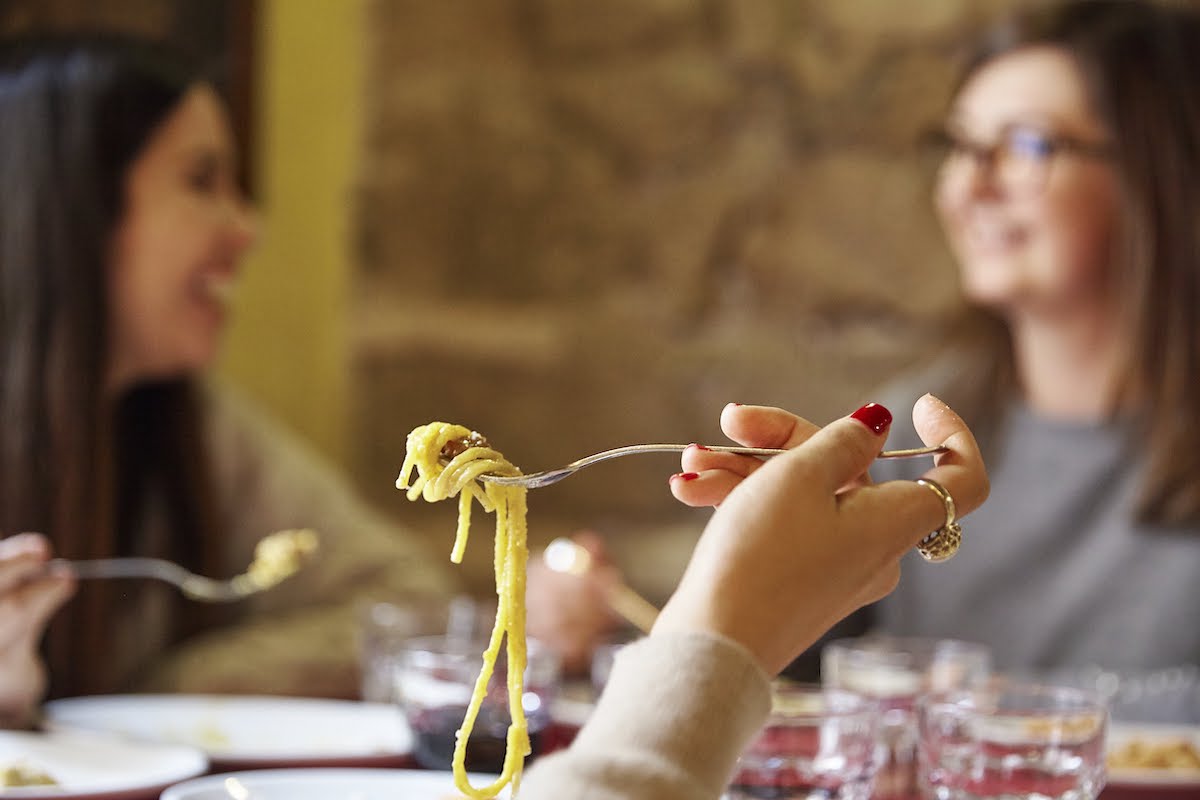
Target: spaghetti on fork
pixel 467 455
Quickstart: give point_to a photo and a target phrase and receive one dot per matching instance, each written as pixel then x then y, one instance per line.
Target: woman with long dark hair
pixel 122 228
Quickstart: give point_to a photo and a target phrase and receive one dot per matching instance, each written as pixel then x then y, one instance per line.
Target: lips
pixel 988 237
pixel 215 287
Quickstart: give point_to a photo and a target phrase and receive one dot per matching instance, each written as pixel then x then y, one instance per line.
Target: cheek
pixel 949 206
pixel 1078 231
pixel 135 278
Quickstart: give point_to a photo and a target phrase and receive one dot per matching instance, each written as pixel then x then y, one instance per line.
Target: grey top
pixel 1053 572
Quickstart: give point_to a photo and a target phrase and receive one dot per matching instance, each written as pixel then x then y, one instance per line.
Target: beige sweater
pixel 677 711
pixel 299 638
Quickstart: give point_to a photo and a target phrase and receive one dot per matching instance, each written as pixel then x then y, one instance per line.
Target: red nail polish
pixel 874 416
pixel 698 446
pixel 686 476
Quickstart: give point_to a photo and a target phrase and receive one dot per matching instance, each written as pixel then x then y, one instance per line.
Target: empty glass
pixel 1012 740
pixel 895 671
pixel 817 743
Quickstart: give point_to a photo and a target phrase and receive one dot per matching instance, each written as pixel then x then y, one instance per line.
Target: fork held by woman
pixel 535 480
pixel 276 557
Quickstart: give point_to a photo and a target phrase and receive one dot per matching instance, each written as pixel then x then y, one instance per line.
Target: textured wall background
pixel 577 224
pixel 588 224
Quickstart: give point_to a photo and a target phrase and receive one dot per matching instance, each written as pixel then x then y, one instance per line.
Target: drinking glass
pixel 1012 740
pixel 385 627
pixel 817 743
pixel 435 678
pixel 896 670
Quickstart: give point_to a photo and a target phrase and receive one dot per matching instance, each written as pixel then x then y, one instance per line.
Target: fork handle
pixel 768 451
pixel 114 567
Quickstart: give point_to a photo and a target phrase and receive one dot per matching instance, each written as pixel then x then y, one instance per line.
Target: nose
pixel 245 223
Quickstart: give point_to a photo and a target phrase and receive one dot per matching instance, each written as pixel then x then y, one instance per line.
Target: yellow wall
pixel 287 346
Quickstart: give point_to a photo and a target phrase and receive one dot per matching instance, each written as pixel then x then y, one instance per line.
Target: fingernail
pixel 874 416
pixel 698 446
pixel 685 476
pixel 20 544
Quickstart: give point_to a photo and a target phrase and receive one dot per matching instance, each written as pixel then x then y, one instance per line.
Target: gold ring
pixel 943 543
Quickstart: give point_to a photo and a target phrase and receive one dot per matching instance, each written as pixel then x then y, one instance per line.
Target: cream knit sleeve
pixel 677 711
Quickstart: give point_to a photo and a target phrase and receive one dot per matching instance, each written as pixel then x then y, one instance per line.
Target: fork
pixel 264 572
pixel 536 480
pixel 193 586
pixel 567 556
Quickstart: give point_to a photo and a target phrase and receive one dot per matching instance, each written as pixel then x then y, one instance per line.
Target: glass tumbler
pixel 435 679
pixel 817 743
pixel 385 628
pixel 896 670
pixel 1012 740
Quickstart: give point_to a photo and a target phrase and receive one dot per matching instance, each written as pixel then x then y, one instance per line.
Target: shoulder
pixel 236 422
pixel 250 447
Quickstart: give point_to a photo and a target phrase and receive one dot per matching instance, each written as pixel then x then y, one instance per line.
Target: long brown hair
pixel 1140 62
pixel 76 463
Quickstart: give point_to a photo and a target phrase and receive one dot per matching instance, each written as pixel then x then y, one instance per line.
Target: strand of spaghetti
pixel 434 481
pixel 511 554
pixel 514 579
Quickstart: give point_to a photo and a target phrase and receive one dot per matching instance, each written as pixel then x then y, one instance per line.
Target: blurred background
pixel 572 225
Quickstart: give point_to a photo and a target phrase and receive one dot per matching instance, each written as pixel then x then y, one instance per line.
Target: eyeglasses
pixel 1019 160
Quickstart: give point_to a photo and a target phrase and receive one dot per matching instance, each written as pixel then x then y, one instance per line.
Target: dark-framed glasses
pixel 1019 160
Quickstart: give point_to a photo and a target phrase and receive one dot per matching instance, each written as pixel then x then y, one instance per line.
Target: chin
pixel 992 285
pixel 187 365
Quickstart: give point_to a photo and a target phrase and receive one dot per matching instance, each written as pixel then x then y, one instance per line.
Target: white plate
pixel 1122 733
pixel 94 765
pixel 325 784
pixel 245 731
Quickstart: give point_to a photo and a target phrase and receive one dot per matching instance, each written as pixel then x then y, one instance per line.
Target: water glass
pixel 817 743
pixel 896 670
pixel 435 679
pixel 1012 740
pixel 384 629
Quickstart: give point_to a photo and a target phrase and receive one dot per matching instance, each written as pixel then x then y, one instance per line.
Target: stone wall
pixel 584 224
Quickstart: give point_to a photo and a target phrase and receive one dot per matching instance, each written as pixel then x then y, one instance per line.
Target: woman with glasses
pixel 1069 192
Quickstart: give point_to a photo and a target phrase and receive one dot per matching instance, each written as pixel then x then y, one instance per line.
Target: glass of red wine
pixel 435 678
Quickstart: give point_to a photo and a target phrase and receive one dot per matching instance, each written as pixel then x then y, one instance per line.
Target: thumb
pixel 845 448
